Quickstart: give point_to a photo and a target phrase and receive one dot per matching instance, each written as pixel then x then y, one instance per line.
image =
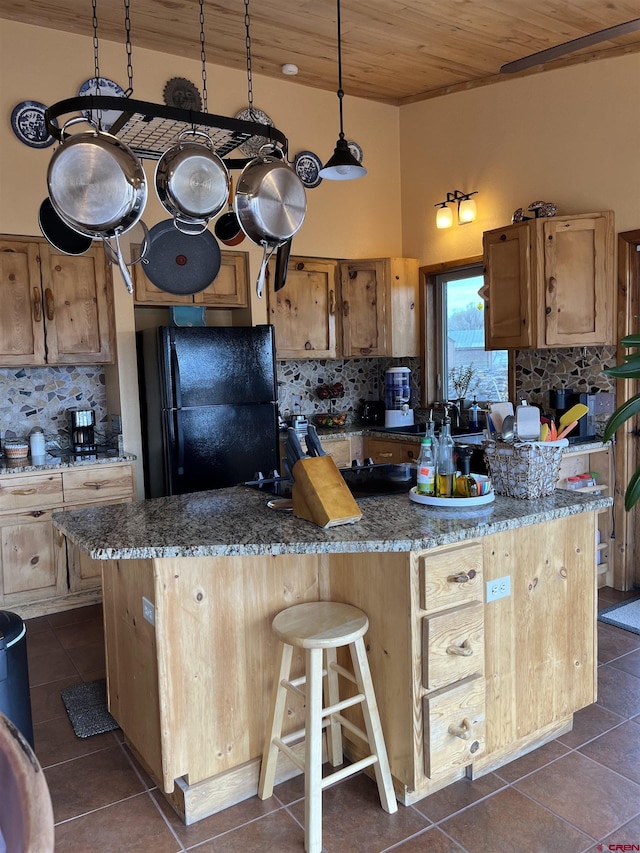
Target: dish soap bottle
pixel 445 467
pixel 474 423
pixel 426 477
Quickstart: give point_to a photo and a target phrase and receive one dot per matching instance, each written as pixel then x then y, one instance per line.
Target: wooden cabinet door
pixel 384 451
pixel 21 311
pixel 32 558
pixel 509 315
pixel 579 295
pixel 303 312
pixel 78 309
pixel 363 302
pixel 230 288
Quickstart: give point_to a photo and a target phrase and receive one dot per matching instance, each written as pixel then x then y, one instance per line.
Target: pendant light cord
pixel 127 30
pixel 340 91
pixel 203 59
pixel 247 26
pixel 96 63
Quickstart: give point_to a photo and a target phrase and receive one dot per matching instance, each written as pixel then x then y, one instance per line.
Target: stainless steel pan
pixel 270 203
pixel 192 182
pixel 97 186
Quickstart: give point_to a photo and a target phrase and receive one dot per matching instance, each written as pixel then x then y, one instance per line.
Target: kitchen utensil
pixel 59 234
pixel 567 429
pixel 314 445
pixel 227 228
pixel 292 443
pixel 97 186
pixel 282 265
pixel 507 428
pixel 192 182
pixel 553 432
pixel 573 414
pixel 270 203
pixel 544 432
pixel 499 412
pixel 179 263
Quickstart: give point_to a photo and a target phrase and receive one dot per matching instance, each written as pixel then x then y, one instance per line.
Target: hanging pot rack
pixel 149 129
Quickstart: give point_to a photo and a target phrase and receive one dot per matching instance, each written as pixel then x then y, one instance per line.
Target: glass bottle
pixel 426 476
pixel 445 467
pixel 474 423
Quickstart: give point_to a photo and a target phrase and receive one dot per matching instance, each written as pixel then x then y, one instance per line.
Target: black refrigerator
pixel 209 406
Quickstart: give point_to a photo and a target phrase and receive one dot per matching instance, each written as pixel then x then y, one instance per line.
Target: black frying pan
pixel 59 234
pixel 282 265
pixel 178 263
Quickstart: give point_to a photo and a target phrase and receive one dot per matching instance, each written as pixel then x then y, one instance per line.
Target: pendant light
pixel 342 166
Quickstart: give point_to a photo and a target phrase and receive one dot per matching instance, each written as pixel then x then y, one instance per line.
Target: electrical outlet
pixel 148 611
pixel 296 400
pixel 604 403
pixel 499 588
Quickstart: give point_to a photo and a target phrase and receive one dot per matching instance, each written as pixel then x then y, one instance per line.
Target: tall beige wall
pixel 570 136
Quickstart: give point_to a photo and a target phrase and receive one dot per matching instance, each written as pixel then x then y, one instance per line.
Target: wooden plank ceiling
pixel 394 51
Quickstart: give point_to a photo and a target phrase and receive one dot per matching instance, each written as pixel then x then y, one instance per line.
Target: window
pixel 465 368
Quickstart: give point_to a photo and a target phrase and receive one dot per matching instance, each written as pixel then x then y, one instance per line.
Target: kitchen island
pixel 464 684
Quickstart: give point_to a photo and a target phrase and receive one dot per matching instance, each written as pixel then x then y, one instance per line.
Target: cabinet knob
pixel 463 731
pixel 464 650
pixel 299 265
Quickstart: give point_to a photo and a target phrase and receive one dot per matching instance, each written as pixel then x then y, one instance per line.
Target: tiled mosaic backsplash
pixel 40 396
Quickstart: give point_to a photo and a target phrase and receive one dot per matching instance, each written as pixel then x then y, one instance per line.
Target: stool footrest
pixel 344 703
pixel 291 755
pixel 353 728
pixel 349 770
pixel 343 672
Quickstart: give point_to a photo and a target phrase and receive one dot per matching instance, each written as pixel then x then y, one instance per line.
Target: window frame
pixel 431 331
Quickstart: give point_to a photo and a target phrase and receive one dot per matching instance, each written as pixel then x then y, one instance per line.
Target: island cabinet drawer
pixel 454 725
pixel 451 577
pixel 27 492
pixel 97 484
pixel 452 645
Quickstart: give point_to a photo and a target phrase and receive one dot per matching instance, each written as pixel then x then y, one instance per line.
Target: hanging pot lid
pixel 178 263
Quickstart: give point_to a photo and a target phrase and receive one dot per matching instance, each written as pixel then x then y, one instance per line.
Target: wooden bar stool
pixel 317 627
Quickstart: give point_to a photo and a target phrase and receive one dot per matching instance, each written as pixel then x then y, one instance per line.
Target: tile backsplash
pixel 40 396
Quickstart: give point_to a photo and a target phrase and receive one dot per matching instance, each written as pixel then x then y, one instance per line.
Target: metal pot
pixel 192 182
pixel 270 203
pixel 227 228
pixel 97 186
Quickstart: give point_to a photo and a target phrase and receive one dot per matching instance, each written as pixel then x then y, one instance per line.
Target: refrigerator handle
pixel 175 372
pixel 179 442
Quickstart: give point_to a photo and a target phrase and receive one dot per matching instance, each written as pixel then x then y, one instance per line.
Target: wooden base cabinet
pixel 463 685
pixel 40 572
pixel 550 282
pixel 55 308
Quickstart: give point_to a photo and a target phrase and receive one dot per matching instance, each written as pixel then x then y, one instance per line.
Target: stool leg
pixel 372 725
pixel 332 697
pixel 274 724
pixel 313 754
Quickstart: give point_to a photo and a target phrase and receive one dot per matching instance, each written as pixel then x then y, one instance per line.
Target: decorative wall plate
pixel 29 125
pixel 307 166
pixel 107 87
pixel 182 94
pixel 355 149
pixel 253 145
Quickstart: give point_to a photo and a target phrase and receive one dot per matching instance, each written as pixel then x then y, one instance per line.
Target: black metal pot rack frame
pixel 150 129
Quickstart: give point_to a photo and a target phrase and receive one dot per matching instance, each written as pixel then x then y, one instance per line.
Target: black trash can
pixel 15 701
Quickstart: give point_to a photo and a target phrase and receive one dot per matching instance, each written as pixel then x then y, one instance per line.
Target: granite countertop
pixel 56 463
pixel 238 522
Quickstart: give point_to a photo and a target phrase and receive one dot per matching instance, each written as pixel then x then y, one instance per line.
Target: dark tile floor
pixel 565 797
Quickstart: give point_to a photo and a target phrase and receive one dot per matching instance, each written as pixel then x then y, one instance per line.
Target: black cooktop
pixel 364 481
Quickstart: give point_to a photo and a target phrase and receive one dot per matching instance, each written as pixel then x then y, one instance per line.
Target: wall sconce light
pixel 466 209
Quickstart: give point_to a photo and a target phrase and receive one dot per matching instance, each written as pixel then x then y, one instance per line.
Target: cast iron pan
pixel 59 234
pixel 282 264
pixel 182 264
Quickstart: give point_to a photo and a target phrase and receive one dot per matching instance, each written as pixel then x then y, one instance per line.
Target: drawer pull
pixel 385 454
pixel 24 491
pixel 463 731
pixel 465 649
pixel 463 577
pixel 98 484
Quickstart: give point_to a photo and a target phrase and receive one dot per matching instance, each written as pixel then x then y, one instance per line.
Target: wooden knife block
pixel 320 493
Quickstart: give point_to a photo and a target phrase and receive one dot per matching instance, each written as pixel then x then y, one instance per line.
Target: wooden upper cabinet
pixel 229 289
pixel 56 308
pixel 550 283
pixel 379 302
pixel 303 312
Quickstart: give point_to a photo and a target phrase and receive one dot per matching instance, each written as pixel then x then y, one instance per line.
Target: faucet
pixel 451 411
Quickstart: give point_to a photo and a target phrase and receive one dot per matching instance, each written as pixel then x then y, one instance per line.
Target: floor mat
pixel 86 706
pixel 624 615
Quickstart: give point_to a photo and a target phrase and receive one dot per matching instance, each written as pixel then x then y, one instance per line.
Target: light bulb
pixel 444 217
pixel 466 211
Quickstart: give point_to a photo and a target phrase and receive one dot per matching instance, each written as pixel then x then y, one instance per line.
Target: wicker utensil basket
pixel 526 470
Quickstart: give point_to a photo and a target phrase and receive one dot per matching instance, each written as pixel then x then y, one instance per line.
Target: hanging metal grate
pixel 150 129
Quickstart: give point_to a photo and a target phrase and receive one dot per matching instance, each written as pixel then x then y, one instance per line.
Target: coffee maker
pixel 82 423
pixel 562 399
pixel 397 396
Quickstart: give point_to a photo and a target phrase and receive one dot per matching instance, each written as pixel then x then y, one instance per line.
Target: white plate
pixel 307 167
pixel 355 150
pixel 28 124
pixel 451 503
pixel 107 87
pixel 253 144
